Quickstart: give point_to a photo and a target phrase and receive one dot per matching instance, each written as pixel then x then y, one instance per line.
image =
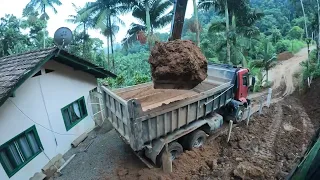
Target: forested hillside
pixel 242 32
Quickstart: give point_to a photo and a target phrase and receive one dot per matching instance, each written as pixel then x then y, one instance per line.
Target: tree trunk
pixel 111 42
pixel 84 39
pixel 195 11
pixel 318 48
pixel 148 22
pixel 227 32
pixel 108 50
pixel 267 71
pixel 44 29
pixel 305 18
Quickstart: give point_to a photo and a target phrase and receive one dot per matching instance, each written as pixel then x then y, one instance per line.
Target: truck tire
pixel 195 139
pixel 239 115
pixel 174 148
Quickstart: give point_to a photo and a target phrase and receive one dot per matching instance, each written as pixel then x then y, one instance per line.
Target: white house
pixel 43 108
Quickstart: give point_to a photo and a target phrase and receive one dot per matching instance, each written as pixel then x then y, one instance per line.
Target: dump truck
pixel 148 119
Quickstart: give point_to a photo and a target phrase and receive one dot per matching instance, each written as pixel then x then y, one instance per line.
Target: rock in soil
pixel 246 170
pixel 177 64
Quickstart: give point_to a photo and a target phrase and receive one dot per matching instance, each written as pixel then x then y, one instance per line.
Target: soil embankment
pixel 177 64
pixel 310 101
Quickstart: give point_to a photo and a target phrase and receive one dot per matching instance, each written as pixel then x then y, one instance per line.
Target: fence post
pixel 269 97
pixel 261 105
pixel 249 114
pixel 230 128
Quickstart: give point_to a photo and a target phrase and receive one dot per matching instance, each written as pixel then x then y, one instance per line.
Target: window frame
pixel 85 114
pixel 245 76
pixel 6 144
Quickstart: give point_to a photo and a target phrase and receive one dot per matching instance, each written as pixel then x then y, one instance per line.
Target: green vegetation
pixel 293 46
pixel 227 31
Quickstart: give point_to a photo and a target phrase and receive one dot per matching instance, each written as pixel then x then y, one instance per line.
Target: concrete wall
pixel 41 99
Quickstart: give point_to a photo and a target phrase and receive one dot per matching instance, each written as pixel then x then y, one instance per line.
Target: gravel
pixel 107 153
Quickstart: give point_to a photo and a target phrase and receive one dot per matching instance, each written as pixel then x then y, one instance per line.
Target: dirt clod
pixel 177 64
pixel 246 170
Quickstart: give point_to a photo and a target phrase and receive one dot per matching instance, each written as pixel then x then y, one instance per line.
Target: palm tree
pixel 318 5
pixel 132 34
pixel 195 12
pixel 42 5
pixel 305 18
pixel 104 13
pixel 152 16
pixel 242 30
pixel 304 15
pixel 110 31
pixel 269 59
pixel 220 5
pixel 83 22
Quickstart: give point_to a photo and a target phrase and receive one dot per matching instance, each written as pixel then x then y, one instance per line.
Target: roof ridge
pixel 28 52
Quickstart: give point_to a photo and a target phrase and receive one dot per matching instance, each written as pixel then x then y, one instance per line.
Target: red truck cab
pixel 243 83
pixel 240 79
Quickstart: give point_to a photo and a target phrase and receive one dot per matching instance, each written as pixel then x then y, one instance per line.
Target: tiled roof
pixel 15 69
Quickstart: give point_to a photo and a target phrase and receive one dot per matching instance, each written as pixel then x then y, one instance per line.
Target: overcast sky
pixel 15 7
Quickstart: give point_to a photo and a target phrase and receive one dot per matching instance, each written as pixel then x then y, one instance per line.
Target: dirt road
pixel 285 70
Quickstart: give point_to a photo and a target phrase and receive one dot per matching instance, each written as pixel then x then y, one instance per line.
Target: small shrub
pixel 140 78
pixel 257 87
pixel 296 46
pixel 296 32
pixel 293 46
pixel 281 47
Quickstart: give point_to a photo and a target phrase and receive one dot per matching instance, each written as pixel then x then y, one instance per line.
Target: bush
pixel 296 46
pixel 281 46
pixel 295 33
pixel 132 69
pixel 293 46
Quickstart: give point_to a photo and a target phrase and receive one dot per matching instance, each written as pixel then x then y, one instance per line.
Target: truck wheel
pixel 195 140
pixel 239 115
pixel 174 149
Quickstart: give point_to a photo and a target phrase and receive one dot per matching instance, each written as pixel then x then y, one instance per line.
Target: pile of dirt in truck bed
pixel 266 149
pixel 177 64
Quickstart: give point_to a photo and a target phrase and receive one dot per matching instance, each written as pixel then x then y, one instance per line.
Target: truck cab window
pixel 245 80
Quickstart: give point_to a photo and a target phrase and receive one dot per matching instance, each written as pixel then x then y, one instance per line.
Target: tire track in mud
pixel 308 128
pixel 266 149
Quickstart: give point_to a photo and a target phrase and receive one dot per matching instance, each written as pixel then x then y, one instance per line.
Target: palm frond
pixel 207 4
pixel 218 26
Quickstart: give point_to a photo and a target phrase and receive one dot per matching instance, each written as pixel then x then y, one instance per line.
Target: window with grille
pixel 74 113
pixel 20 150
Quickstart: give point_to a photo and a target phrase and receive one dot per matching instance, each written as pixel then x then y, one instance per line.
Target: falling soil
pixel 177 64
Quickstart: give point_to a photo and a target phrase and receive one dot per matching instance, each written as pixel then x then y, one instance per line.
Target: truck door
pixel 243 80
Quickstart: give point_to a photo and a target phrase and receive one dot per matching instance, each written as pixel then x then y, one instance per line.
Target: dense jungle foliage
pixel 247 33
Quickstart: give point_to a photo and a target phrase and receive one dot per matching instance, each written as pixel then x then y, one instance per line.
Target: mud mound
pixel 285 56
pixel 310 101
pixel 177 64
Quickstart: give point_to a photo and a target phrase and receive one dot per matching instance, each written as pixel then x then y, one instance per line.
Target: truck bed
pixel 142 114
pixel 151 98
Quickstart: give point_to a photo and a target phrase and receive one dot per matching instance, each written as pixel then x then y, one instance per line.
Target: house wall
pixel 41 99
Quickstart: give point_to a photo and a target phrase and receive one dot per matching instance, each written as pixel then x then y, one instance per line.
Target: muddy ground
pixel 266 149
